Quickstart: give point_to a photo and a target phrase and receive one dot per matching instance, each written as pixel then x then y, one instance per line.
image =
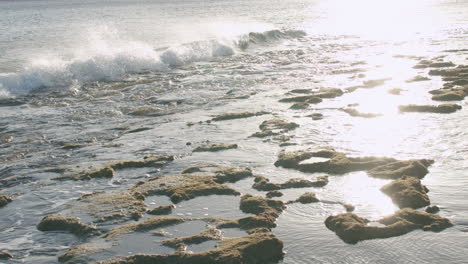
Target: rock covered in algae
pixel 108 207
pixel 352 228
pixel 274 127
pixel 230 116
pixel 299 106
pixel 4 200
pixel 106 172
pixel 148 224
pixel 309 99
pixel 184 187
pixel 329 161
pixel 407 192
pixel 215 147
pixel 221 174
pixel 441 109
pixel 394 170
pixel 261 247
pixel 274 193
pixel 432 209
pixel 266 211
pixel 148 161
pixel 264 184
pixel 61 223
pixel 450 94
pixel 459 71
pixel 306 198
pixel 206 235
pixel 161 210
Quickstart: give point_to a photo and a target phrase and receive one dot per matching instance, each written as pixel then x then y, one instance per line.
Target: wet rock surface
pixel 230 116
pixel 352 228
pixel 329 161
pixel 264 184
pixel 255 248
pixel 407 192
pixel 441 109
pixel 306 198
pixel 397 169
pixel 214 147
pixel 60 223
pixel 161 210
pixel 4 200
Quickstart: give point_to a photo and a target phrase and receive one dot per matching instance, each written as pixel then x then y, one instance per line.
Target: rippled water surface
pixel 92 72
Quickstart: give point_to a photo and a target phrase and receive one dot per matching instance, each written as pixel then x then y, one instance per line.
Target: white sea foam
pixel 105 56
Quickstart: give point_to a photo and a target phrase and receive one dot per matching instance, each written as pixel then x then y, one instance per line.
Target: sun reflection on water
pixel 364 192
pixel 381 19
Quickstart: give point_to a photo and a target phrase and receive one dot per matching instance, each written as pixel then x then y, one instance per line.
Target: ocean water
pixel 87 72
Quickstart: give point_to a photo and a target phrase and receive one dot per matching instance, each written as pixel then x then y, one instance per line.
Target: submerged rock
pixel 230 116
pixel 356 113
pixel 442 109
pixel 352 228
pixel 260 247
pixel 5 255
pixel 264 184
pixel 407 192
pixel 181 242
pixel 215 147
pixel 394 91
pixel 316 116
pixel 418 78
pixel 147 225
pixel 4 200
pixel 60 223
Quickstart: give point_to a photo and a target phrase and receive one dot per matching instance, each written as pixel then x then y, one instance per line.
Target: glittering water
pixel 90 72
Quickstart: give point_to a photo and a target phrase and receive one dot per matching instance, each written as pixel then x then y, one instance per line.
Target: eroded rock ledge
pixel 264 184
pixel 261 247
pixel 352 228
pixel 330 161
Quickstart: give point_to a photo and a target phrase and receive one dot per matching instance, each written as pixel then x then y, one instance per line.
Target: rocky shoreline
pixel 127 212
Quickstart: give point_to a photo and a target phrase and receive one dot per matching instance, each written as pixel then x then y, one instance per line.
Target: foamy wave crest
pixel 267 37
pixel 105 56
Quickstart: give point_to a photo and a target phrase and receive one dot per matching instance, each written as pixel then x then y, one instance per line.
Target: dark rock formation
pixel 352 228
pixel 407 192
pixel 441 109
pixel 60 223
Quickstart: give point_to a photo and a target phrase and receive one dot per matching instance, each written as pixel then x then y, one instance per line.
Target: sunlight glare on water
pixel 381 19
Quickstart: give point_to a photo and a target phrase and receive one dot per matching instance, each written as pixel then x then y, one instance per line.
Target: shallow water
pixel 90 73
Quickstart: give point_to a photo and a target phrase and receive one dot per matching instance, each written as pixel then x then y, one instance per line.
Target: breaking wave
pixel 106 57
